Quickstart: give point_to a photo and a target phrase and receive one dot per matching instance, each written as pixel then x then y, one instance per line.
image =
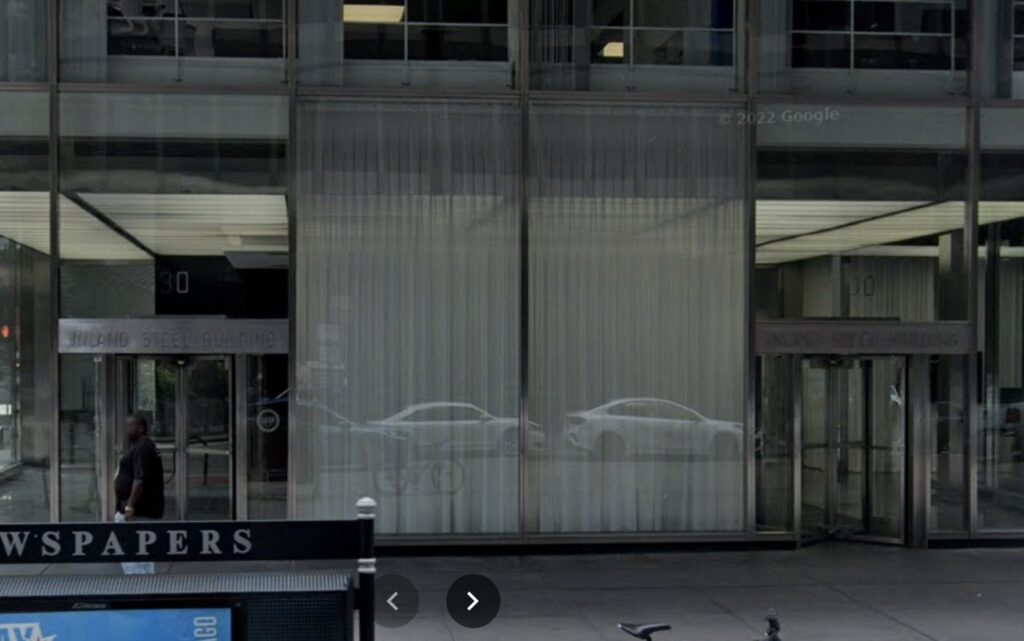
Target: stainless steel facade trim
pixel 172 335
pixel 918 453
pixel 53 51
pixel 523 464
pixel 291 14
pixel 240 436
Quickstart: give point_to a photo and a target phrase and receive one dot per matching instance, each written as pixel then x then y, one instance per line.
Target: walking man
pixel 139 486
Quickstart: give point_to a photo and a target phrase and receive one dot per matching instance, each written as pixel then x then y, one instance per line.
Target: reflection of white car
pixel 630 426
pixel 458 426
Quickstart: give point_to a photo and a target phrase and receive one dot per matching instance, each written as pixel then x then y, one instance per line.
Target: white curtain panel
pixel 637 311
pixel 407 314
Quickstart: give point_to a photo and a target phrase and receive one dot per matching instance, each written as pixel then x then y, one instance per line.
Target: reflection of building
pixel 531 271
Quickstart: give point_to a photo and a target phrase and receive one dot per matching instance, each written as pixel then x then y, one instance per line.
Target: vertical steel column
pixel 291 17
pixel 524 263
pixel 366 509
pixel 798 445
pixel 53 66
pixel 181 420
pixel 868 441
pixel 750 264
pixel 917 455
pixel 240 436
pixel 971 260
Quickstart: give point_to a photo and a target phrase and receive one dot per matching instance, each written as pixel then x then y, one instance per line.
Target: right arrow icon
pixel 472 601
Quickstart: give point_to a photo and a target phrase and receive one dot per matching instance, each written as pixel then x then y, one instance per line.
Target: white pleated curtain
pixel 636 266
pixel 407 314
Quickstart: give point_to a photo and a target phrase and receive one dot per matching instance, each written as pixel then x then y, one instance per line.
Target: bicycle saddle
pixel 643 631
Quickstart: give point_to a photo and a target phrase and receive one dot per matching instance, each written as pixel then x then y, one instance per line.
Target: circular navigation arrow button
pixel 473 601
pixel 396 600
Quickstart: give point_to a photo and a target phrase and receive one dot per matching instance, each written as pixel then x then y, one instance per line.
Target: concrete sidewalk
pixel 830 592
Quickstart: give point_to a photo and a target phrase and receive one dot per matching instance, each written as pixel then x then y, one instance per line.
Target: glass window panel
pixel 1001 48
pixel 821 50
pixel 358 44
pixel 407 354
pixel 635 46
pixel 837 236
pixel 81 405
pixel 949 428
pixel 1000 324
pixel 821 15
pixel 175 204
pixel 23 41
pixel 610 13
pixel 773 445
pixel 472 11
pixel 904 52
pixel 620 212
pixel 682 47
pixel 914 17
pixel 212 42
pixel 374 42
pixel 608 46
pixel 26 338
pixel 458 43
pixel 904 48
pixel 268 397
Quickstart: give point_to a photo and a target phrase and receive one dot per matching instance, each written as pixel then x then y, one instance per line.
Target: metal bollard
pixel 366 510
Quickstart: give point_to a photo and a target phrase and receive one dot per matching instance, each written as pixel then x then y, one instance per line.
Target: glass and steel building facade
pixel 525 271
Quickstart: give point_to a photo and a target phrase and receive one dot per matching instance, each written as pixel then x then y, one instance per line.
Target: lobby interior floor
pixel 829 592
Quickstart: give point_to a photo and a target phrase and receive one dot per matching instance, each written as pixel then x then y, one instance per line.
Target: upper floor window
pixel 635 44
pixel 881 47
pixel 1001 47
pixel 450 43
pixel 22 40
pixel 225 42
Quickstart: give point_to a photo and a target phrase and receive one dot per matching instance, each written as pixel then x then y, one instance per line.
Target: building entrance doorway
pixel 852 446
pixel 188 402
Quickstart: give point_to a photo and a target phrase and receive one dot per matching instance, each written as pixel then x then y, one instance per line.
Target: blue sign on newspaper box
pixel 194 624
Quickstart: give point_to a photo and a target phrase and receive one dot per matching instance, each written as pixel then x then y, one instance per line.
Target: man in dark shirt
pixel 139 485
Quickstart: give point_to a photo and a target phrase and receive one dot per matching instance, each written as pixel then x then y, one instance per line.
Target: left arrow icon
pixel 391 602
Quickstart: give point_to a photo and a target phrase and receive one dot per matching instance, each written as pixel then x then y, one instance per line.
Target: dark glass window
pixel 821 15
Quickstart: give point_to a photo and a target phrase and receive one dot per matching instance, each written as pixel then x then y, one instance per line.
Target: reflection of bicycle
pixel 643 631
pixel 446 476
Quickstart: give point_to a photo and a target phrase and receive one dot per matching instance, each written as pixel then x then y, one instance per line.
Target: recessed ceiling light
pixel 613 50
pixel 372 13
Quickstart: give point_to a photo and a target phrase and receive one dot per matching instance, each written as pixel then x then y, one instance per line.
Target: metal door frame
pixel 833 410
pixel 120 402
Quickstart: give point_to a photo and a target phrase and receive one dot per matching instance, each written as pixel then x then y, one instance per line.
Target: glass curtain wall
pixel 1001 321
pixel 860 212
pixel 407 315
pixel 26 347
pixel 170 205
pixel 636 319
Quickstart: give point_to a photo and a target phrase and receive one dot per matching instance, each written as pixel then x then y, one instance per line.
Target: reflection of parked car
pixel 631 426
pixel 458 426
pixel 367 442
